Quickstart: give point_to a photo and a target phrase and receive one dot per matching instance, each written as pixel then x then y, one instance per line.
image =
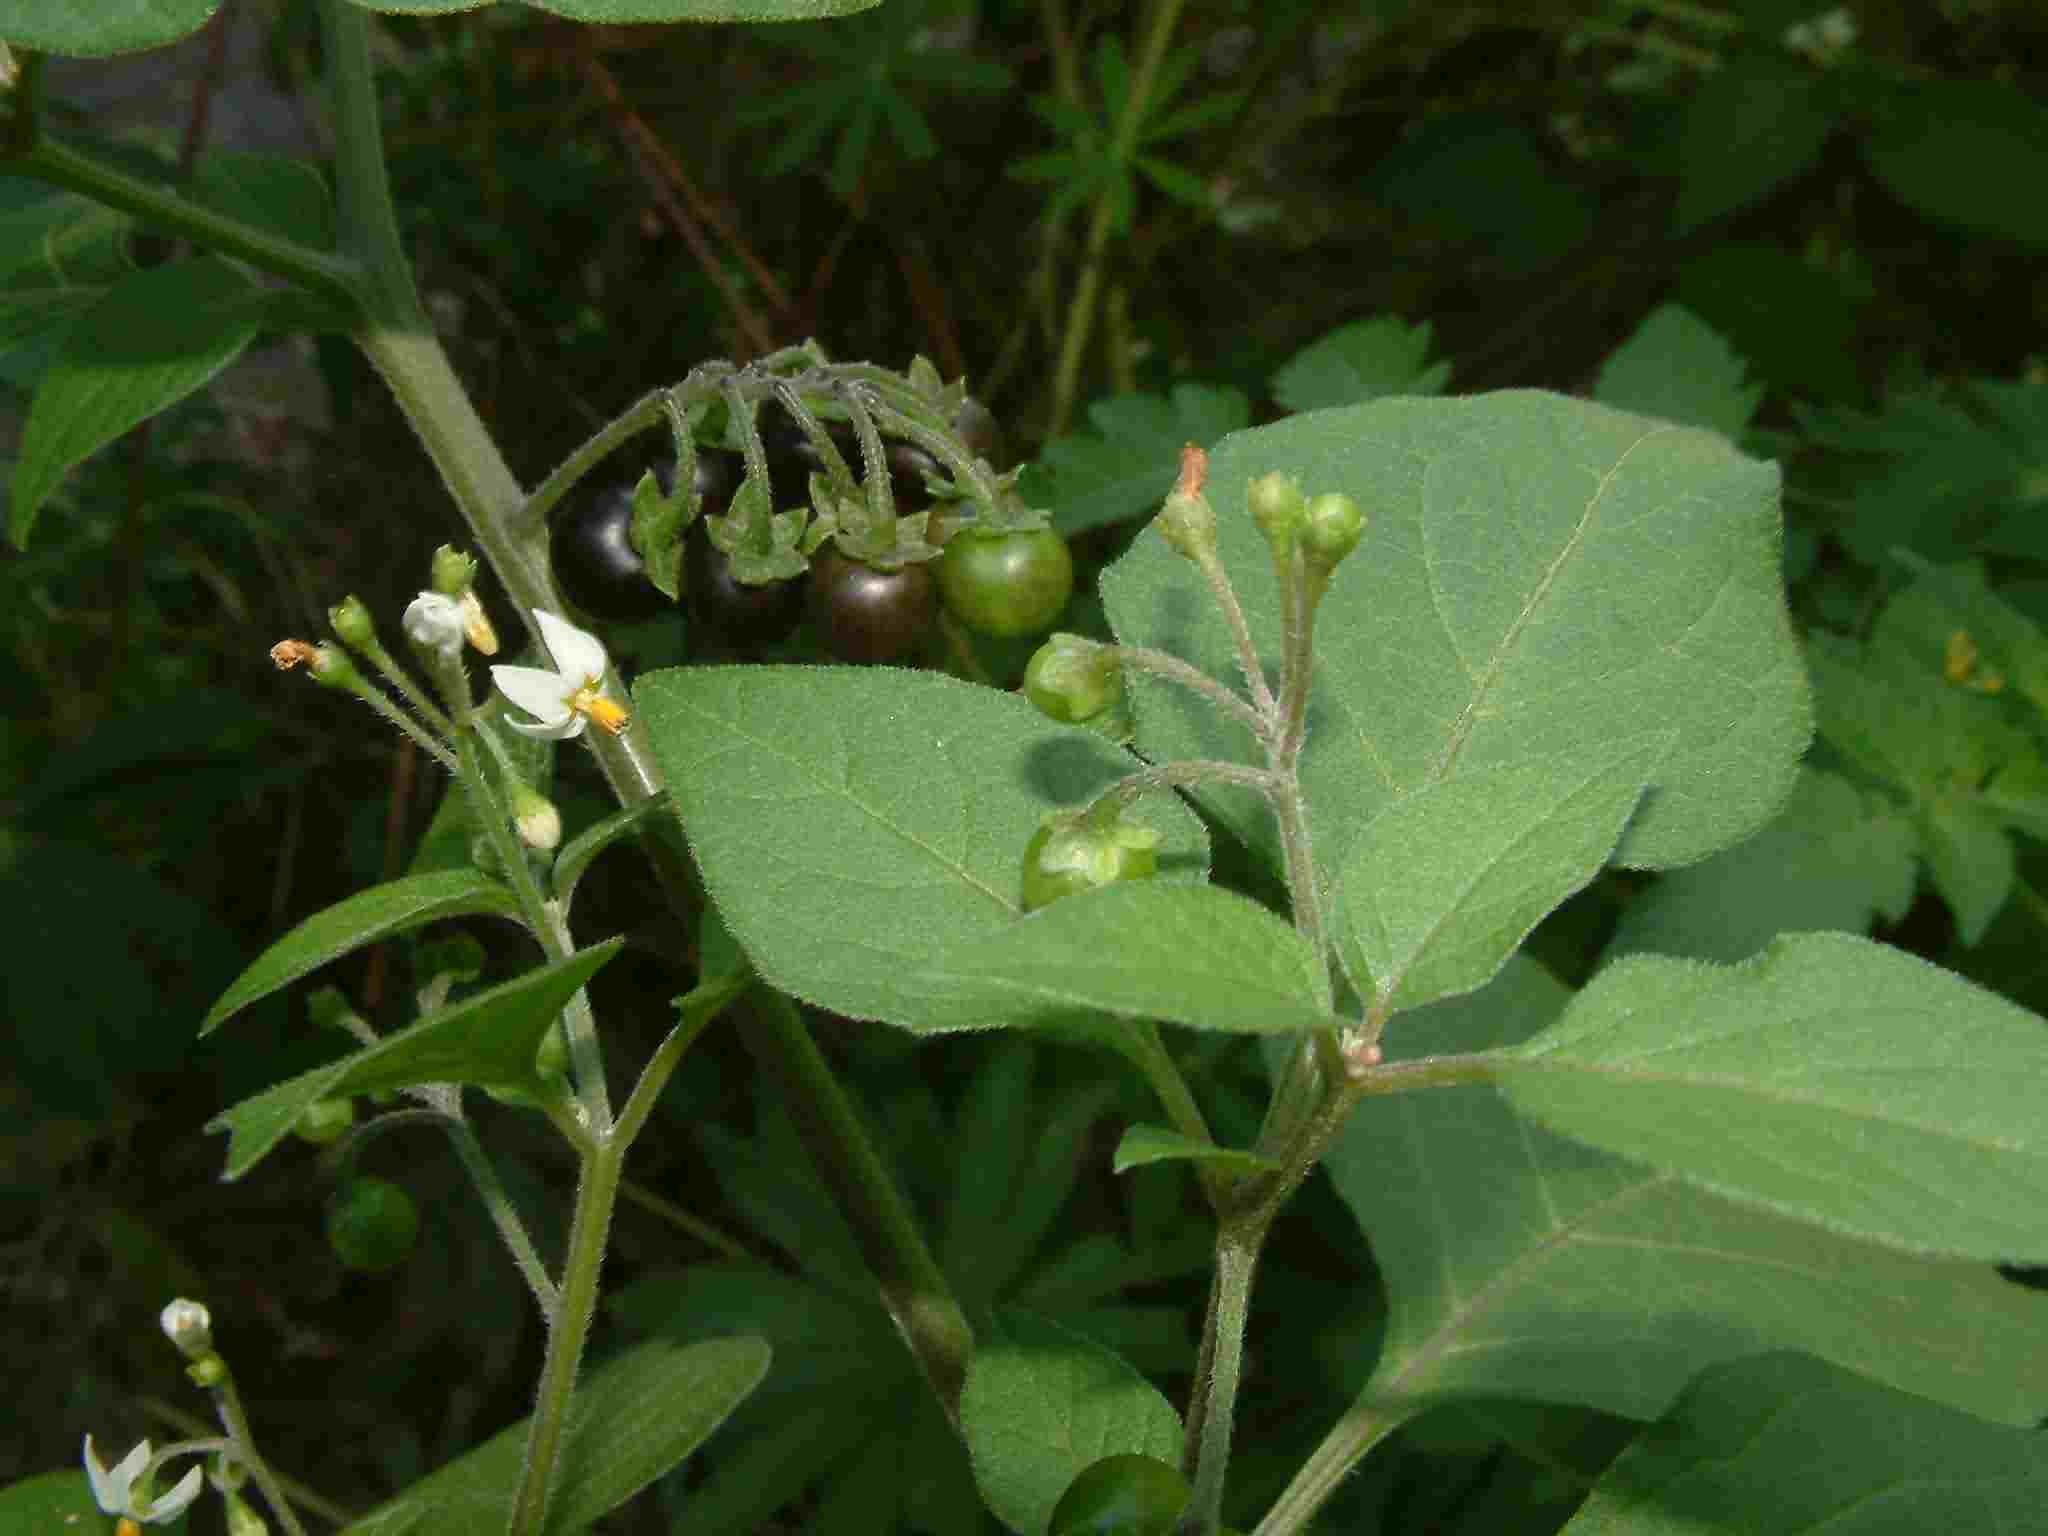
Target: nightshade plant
pixel 1435 664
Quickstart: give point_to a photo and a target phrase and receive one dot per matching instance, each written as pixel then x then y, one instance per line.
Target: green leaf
pixel 1520 1264
pixel 363 918
pixel 1742 1442
pixel 1970 861
pixel 851 854
pixel 1752 125
pixel 1836 857
pixel 129 26
pixel 1144 949
pixel 1877 1095
pixel 1125 465
pixel 55 1501
pixel 1143 1144
pixel 1365 360
pixel 1538 578
pixel 1676 367
pixel 275 192
pixel 1964 151
pixel 488 1040
pixel 150 340
pixel 1444 885
pixel 1040 1404
pixel 631 1420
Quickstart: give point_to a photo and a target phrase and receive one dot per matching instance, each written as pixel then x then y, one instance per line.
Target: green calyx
pixel 1278 507
pixel 1331 527
pixel 1073 852
pixel 1071 679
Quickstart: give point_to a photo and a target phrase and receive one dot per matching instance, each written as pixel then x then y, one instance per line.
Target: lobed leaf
pixel 1365 360
pixel 1679 368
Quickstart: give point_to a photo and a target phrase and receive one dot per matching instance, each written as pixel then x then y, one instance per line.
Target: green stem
pixel 1147 1051
pixel 322 272
pixel 1240 636
pixel 1209 1422
pixel 914 1291
pixel 1361 1428
pixel 228 1403
pixel 504 1215
pixel 1081 308
pixel 1165 665
pixel 589 1231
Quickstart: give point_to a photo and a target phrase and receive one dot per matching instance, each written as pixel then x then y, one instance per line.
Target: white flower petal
pixel 541 694
pixel 435 623
pixel 169 1506
pixel 578 654
pixel 565 729
pixel 109 1489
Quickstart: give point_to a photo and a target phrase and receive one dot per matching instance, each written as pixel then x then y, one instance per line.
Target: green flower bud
pixel 1332 525
pixel 1187 520
pixel 326 1120
pixel 1068 854
pixel 351 620
pixel 454 572
pixel 1071 679
pixel 534 815
pixel 1278 507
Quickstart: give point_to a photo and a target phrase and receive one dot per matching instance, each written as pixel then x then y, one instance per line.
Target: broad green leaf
pixel 152 339
pixel 1874 1094
pixel 102 27
pixel 56 1502
pixel 364 918
pixel 488 1040
pixel 1040 1404
pixel 614 12
pixel 1143 1144
pixel 1518 1264
pixel 1964 151
pixel 855 826
pixel 1183 954
pixel 1752 125
pixel 1970 861
pixel 1539 577
pixel 1676 367
pixel 1834 859
pixel 631 1420
pixel 1784 1445
pixel 1444 884
pixel 1362 361
pixel 275 192
pixel 1124 463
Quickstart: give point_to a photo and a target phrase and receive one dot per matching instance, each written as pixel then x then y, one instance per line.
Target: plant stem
pixel 589 1231
pixel 1163 664
pixel 1209 1421
pixel 228 1403
pixel 1361 1428
pixel 913 1289
pixel 504 1215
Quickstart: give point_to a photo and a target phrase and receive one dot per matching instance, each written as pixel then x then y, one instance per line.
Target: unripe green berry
pixel 1332 525
pixel 351 620
pixel 1066 855
pixel 1278 507
pixel 326 1120
pixel 1070 679
pixel 371 1224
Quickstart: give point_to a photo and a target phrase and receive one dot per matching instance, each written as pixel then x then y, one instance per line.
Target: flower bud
pixel 434 624
pixel 454 571
pixel 1331 527
pixel 1278 508
pixel 351 620
pixel 1071 679
pixel 539 823
pixel 188 1325
pixel 328 666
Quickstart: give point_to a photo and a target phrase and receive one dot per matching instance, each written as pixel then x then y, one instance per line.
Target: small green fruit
pixel 326 1120
pixel 371 1224
pixel 1070 679
pixel 1066 856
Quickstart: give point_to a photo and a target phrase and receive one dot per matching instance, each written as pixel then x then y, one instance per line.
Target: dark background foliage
pixel 594 210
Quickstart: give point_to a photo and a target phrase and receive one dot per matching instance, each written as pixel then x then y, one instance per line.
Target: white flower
pixel 573 693
pixel 188 1325
pixel 115 1491
pixel 435 623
